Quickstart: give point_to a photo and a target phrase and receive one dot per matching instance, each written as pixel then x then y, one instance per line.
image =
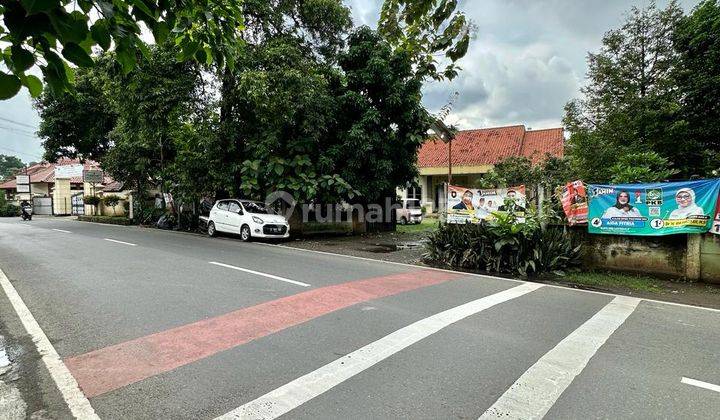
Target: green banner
pixel 653 209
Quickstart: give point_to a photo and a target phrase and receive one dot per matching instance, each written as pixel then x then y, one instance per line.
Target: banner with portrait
pixel 653 209
pixel 575 202
pixel 471 205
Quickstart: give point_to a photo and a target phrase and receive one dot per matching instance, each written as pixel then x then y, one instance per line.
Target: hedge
pixel 9 210
pixel 110 220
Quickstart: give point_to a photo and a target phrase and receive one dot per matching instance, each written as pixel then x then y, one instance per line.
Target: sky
pixel 525 62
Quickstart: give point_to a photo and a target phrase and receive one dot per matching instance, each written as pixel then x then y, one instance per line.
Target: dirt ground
pixel 408 248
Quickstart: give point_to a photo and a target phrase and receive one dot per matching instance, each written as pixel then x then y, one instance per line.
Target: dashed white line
pixel 74 398
pixel 62 230
pixel 537 390
pixel 120 242
pixel 295 393
pixel 700 384
pixel 299 283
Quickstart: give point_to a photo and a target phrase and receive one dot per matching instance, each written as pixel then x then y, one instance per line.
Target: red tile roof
pixel 488 146
pixel 45 172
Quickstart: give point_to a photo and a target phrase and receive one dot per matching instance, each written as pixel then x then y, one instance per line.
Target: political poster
pixel 653 209
pixel 470 205
pixel 716 223
pixel 575 202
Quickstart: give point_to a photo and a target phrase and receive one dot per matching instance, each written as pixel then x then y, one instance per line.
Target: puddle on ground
pixel 387 248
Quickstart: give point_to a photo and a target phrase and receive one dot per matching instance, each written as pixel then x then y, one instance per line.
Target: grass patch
pixel 613 280
pixel 426 225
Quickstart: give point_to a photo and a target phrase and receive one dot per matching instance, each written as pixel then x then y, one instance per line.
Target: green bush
pixel 111 200
pixel 7 209
pixel 110 220
pixel 504 245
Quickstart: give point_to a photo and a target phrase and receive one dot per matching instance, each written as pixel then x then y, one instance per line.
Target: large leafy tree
pixel 51 33
pixel 156 104
pixel 78 124
pixel 382 122
pixel 433 33
pixel 275 104
pixel 631 103
pixel 697 40
pixel 9 165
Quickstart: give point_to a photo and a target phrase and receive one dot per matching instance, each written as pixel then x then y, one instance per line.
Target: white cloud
pixel 527 61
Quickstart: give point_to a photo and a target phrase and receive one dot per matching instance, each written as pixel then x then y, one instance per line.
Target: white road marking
pixel 62 230
pixel 75 399
pixel 120 242
pixel 424 267
pixel 293 394
pixel 537 390
pixel 700 384
pixel 299 283
pixel 465 273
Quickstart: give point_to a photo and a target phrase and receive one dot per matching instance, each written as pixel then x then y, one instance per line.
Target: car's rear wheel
pixel 211 229
pixel 245 233
pixel 403 220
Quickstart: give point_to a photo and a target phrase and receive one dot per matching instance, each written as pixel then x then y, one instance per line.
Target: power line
pixel 18 123
pixel 15 130
pixel 21 153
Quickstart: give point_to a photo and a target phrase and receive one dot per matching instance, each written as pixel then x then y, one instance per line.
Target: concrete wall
pixel 710 257
pixel 62 204
pixel 694 257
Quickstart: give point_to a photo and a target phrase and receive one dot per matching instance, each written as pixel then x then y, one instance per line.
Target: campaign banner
pixel 471 205
pixel 653 209
pixel 716 223
pixel 575 202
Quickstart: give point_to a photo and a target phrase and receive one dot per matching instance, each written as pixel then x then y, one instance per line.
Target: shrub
pixel 110 220
pixel 92 200
pixel 7 209
pixel 111 200
pixel 504 245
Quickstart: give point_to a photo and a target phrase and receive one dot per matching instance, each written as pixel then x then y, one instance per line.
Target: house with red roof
pixel 474 153
pixel 42 184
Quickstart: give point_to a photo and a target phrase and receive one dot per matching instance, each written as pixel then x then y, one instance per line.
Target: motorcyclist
pixel 26 209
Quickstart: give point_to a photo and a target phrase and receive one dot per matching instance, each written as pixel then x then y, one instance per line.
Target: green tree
pixel 697 40
pixel 9 165
pixel 78 124
pixel 154 102
pixel 631 102
pixel 40 32
pixel 111 200
pixel 382 122
pixel 641 167
pixel 432 32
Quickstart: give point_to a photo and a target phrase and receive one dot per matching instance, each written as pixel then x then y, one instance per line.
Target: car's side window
pixel 223 205
pixel 234 207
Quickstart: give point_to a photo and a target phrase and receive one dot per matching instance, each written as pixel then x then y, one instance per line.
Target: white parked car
pixel 410 211
pixel 249 219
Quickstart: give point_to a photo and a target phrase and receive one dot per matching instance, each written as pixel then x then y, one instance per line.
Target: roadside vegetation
pixel 504 246
pixel 7 209
pixel 614 281
pixel 428 225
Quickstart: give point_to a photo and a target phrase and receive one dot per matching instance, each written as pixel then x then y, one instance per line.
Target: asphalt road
pixel 154 324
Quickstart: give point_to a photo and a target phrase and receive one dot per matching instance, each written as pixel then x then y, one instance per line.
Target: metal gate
pixel 78 206
pixel 42 205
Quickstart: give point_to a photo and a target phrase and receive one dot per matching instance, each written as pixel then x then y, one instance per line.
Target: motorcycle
pixel 26 212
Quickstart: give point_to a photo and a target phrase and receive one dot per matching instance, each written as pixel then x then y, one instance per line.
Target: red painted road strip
pixel 113 367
